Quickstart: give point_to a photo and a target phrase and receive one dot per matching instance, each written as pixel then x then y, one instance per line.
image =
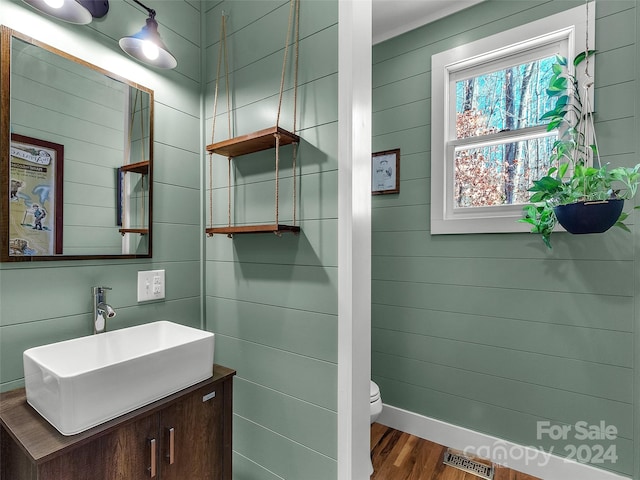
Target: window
pixel 488 143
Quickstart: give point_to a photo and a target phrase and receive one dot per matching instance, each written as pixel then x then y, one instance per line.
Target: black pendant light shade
pixel 147 46
pixel 98 8
pixel 80 12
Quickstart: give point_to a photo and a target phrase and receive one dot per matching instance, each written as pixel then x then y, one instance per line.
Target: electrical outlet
pixel 150 285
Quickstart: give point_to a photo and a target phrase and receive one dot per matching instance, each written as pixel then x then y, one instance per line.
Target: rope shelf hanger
pixel 269 138
pixel 141 167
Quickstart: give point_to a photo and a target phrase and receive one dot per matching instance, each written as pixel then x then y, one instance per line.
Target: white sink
pixel 80 383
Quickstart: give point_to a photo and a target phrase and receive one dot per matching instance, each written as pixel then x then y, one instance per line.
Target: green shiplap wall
pixel 57 100
pixel 493 332
pixel 272 302
pixel 44 302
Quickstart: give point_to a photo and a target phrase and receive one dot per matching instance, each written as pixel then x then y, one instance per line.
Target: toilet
pixel 375 408
pixel 375 402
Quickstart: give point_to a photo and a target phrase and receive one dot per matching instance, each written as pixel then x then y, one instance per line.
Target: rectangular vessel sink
pixel 80 383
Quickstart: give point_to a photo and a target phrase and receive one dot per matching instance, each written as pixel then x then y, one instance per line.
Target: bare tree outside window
pixel 491 167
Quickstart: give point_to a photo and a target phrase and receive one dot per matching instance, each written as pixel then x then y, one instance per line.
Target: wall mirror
pixel 76 147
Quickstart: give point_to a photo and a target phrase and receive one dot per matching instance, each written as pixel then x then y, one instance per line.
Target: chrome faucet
pixel 101 309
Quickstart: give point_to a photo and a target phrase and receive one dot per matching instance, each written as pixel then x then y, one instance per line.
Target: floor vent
pixel 466 464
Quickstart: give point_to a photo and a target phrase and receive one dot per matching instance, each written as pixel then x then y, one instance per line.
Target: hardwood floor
pixel 400 456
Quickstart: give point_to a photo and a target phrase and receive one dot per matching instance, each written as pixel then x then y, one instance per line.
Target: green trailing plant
pixel 573 178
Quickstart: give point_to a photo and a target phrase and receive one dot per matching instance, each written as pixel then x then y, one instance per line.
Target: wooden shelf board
pixel 141 231
pixel 140 167
pixel 268 228
pixel 253 142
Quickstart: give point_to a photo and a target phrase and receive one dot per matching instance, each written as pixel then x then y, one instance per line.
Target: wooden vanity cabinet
pixel 121 454
pixel 184 436
pixel 200 435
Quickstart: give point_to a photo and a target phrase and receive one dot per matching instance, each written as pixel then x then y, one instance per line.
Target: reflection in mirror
pixel 76 178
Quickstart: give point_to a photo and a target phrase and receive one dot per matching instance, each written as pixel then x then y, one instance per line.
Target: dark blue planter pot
pixel 589 217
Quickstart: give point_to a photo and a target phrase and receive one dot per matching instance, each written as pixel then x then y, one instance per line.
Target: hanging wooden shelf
pixel 140 167
pixel 141 231
pixel 270 228
pixel 143 169
pixel 269 138
pixel 253 142
pixel 244 145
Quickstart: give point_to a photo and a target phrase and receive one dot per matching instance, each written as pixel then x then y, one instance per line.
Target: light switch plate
pixel 150 285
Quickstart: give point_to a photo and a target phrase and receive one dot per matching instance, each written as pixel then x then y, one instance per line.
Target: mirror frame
pixel 6 36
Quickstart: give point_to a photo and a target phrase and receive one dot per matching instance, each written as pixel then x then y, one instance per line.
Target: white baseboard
pixel 521 458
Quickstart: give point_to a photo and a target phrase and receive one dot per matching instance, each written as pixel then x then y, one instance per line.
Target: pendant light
pixel 147 46
pixel 80 12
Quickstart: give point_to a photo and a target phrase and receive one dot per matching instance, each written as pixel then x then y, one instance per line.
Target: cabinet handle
pixel 152 448
pixel 170 455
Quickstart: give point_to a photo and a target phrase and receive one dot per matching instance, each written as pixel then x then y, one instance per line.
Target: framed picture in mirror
pixel 35 196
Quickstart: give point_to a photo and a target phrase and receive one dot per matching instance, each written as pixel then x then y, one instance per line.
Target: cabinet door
pixel 197 423
pixel 124 454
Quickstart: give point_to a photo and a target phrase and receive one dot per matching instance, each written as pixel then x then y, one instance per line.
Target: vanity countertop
pixel 41 441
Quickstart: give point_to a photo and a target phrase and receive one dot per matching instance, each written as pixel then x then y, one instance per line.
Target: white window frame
pixel 567 31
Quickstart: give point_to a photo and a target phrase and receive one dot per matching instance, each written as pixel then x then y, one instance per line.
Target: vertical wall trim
pixel 636 279
pixel 203 167
pixel 354 237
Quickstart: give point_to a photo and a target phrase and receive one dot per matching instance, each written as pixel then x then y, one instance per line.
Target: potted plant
pixel 578 192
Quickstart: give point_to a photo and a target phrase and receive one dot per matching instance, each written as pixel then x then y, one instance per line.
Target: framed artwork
pixel 385 172
pixel 35 196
